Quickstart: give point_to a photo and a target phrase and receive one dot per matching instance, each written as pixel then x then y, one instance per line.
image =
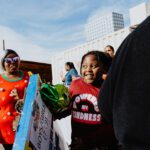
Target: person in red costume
pixel 89 129
pixel 13 83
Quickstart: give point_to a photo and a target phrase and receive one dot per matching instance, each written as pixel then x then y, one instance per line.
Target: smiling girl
pixel 89 129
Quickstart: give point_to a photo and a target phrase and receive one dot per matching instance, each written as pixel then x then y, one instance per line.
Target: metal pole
pixel 3 44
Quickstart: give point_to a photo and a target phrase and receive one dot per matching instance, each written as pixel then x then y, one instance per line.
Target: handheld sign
pixel 35 126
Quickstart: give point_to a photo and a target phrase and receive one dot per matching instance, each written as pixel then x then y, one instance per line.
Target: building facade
pixel 103 25
pixel 139 13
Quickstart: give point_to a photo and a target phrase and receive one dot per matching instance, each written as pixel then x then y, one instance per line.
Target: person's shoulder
pixel 73 70
pixel 77 81
pixel 1 78
pixel 76 84
pixel 25 74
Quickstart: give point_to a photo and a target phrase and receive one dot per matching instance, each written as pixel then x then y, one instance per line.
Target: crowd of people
pixel 13 83
pixel 123 99
pixel 107 113
pixel 89 129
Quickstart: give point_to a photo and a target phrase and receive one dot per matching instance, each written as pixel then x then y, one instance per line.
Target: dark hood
pixel 124 98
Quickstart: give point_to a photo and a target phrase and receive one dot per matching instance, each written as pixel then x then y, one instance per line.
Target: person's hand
pixel 62 76
pixel 19 105
pixel 15 123
pixel 63 79
pixel 75 77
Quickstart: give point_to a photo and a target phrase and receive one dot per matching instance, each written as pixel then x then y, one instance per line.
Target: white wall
pixel 139 13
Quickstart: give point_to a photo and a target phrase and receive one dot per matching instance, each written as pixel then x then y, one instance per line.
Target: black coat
pixel 124 98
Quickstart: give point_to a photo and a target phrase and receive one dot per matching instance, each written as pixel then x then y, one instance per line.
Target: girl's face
pixel 91 69
pixel 12 63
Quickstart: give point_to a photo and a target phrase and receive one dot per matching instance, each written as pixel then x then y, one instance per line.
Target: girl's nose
pixel 89 68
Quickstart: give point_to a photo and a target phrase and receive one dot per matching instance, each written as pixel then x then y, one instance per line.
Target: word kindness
pixel 86 117
pixel 81 111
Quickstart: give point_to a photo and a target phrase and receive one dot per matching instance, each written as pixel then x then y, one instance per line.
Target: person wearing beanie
pixel 13 83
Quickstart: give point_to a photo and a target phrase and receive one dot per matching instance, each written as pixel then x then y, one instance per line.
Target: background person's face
pixel 109 51
pixel 12 67
pixel 67 67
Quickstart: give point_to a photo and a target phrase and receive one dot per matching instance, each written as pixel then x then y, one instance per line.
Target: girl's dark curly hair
pixel 101 57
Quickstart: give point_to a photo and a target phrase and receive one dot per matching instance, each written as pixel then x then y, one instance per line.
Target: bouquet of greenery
pixel 55 97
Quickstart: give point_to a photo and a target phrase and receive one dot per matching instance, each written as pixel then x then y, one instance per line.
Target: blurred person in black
pixel 125 94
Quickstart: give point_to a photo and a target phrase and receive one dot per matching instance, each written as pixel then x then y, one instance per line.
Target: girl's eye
pixel 84 66
pixel 94 66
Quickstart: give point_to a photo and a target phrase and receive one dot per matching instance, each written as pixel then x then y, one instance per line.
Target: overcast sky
pixel 44 27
